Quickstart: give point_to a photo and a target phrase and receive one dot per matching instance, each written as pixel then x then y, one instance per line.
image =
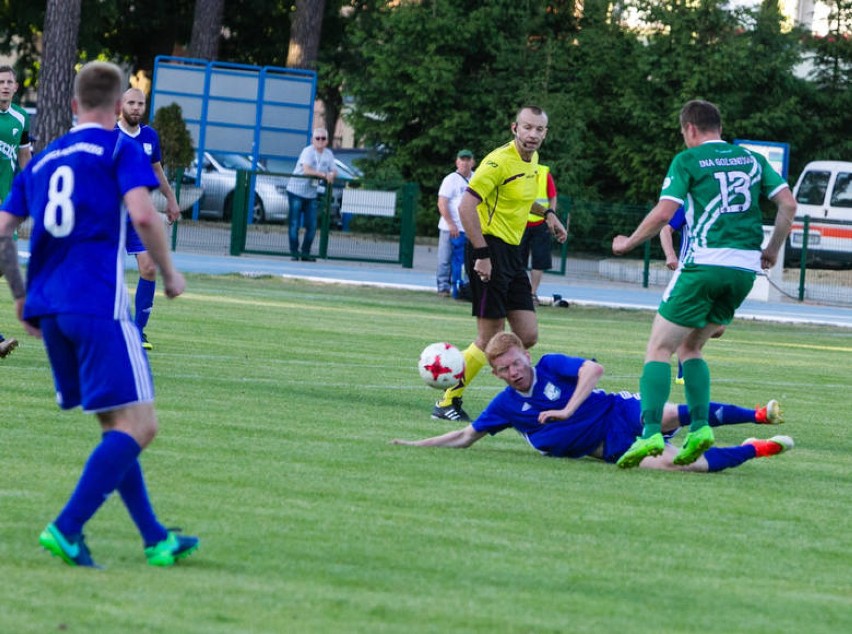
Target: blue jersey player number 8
pixel 59 200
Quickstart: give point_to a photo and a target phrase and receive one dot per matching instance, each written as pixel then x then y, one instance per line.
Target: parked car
pixel 218 177
pixel 824 193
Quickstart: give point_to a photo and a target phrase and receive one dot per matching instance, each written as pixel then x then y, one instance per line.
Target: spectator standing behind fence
pixel 15 151
pixel 537 237
pixel 317 161
pixel 451 236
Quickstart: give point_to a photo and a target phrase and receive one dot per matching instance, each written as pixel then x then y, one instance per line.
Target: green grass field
pixel 277 400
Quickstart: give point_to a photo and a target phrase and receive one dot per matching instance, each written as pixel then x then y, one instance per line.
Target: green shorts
pixel 701 294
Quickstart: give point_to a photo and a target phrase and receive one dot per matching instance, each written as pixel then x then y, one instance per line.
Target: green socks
pixel 696 379
pixel 654 388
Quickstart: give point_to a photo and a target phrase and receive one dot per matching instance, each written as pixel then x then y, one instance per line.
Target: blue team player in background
pixel 74 192
pixel 130 123
pixel 557 408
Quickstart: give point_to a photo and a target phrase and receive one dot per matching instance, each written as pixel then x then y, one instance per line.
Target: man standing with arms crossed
pixel 719 185
pixel 494 212
pixel 132 111
pixel 15 151
pixel 79 192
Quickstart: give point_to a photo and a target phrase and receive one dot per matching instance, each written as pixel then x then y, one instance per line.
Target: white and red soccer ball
pixel 441 365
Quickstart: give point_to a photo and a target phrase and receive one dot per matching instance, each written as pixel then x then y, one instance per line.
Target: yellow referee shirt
pixel 506 186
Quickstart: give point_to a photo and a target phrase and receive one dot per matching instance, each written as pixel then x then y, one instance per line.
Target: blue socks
pixel 145 291
pixel 114 464
pixel 105 469
pixel 721 458
pixel 134 494
pixel 720 414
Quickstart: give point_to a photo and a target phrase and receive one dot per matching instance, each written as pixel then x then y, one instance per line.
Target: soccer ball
pixel 441 365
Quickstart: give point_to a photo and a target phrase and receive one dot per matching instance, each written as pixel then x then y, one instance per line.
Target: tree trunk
pixel 206 29
pixel 305 31
pixel 56 80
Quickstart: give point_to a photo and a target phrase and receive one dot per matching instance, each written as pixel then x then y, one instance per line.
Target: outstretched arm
pixel 587 378
pixel 458 439
pixel 648 228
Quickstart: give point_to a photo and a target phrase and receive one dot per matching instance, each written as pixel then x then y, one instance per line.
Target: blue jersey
pixel 147 137
pixel 554 382
pixel 73 190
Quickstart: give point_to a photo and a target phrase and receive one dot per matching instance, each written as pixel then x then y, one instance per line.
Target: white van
pixel 824 193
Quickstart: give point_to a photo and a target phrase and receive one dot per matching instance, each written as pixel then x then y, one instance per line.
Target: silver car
pixel 218 180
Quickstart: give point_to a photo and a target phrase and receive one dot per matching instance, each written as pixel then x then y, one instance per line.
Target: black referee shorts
pixel 509 287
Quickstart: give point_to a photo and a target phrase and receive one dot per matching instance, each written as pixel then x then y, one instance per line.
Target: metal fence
pixel 587 257
pixel 359 235
pixel 251 215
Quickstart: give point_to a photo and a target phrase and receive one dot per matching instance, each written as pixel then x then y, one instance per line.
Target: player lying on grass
pixel 555 405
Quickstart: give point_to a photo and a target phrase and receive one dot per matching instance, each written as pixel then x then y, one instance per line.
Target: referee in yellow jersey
pixel 494 212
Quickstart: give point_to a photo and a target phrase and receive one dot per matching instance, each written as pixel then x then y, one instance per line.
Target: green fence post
pixel 407 225
pixel 804 258
pixel 239 213
pixel 646 269
pixel 325 221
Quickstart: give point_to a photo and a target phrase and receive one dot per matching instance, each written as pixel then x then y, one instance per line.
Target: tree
pixel 305 31
pixel 829 111
pixel 206 29
pixel 177 146
pixel 56 85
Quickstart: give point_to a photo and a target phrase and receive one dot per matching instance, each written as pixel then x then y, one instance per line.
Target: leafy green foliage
pixel 613 92
pixel 177 148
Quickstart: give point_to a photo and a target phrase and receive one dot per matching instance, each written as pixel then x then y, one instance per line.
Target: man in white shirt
pixel 450 231
pixel 314 169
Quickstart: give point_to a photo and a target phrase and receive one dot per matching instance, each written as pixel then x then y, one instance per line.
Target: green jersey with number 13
pixel 719 185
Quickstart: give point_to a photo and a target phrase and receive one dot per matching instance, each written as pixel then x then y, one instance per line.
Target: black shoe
pixel 452 412
pixel 308 258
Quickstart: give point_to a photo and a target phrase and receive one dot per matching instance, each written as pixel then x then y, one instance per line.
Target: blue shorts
pixel 625 423
pixel 98 363
pixel 133 243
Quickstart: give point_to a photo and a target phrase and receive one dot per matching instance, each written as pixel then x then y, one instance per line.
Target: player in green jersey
pixel 719 185
pixel 15 151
